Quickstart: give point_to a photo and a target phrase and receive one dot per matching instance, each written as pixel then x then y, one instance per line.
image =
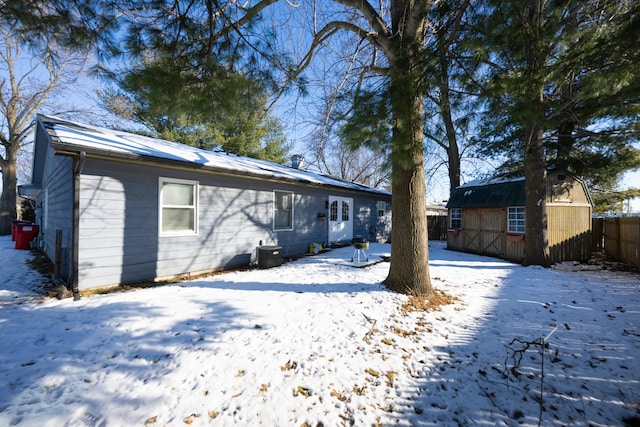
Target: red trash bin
pixel 14 227
pixel 25 233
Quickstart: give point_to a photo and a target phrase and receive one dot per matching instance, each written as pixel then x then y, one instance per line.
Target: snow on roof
pixel 80 136
pixel 490 181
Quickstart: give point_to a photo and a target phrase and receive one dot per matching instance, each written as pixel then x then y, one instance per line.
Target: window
pixel 382 208
pixel 515 220
pixel 282 210
pixel 178 207
pixel 345 211
pixel 456 218
pixel 333 211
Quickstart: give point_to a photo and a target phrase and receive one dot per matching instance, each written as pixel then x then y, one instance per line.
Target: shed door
pixel 493 232
pixel 340 219
pixel 484 231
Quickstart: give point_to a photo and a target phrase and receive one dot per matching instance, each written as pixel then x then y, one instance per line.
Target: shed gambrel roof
pixel 489 193
pixel 69 137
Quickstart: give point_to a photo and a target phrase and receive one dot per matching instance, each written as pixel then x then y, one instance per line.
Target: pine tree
pixel 212 108
pixel 552 84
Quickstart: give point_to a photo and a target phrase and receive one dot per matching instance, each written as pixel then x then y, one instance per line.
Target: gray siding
pixel 367 223
pixel 119 235
pixel 55 208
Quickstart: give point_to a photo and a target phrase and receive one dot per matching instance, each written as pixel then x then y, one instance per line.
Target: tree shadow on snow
pixel 489 371
pixel 87 355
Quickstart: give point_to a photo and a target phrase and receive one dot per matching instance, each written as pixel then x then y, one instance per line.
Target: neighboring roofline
pixel 66 148
pixel 436 206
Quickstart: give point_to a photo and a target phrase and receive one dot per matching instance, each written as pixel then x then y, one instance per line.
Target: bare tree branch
pixel 26 83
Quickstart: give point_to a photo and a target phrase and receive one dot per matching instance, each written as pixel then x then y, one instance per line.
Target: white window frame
pixel 291 214
pixel 516 217
pixel 346 212
pixel 455 215
pixel 333 211
pixel 161 207
pixel 382 208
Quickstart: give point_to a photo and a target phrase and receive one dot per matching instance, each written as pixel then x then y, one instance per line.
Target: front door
pixel 340 219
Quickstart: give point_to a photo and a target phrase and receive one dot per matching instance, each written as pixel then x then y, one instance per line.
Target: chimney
pixel 297 161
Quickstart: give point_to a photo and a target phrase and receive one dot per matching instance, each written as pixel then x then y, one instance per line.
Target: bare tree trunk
pixel 535 173
pixel 8 211
pixel 409 270
pixel 535 170
pixel 453 152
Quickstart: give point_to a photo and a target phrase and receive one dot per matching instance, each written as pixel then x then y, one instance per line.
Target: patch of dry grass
pixel 431 302
pixel 41 263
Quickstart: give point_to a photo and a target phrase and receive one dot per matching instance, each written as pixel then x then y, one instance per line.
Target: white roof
pixel 81 137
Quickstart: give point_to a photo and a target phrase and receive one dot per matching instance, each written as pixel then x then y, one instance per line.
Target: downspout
pixel 77 170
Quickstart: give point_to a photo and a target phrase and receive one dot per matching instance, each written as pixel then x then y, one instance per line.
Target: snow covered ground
pixel 317 342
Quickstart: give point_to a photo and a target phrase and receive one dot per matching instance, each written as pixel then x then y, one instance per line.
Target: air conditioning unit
pixel 269 256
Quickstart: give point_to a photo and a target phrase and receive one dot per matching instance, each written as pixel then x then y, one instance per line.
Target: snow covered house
pixel 488 217
pixel 115 207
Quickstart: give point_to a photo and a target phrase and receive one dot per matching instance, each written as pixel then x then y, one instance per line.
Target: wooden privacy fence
pixel 437 227
pixel 573 248
pixel 619 238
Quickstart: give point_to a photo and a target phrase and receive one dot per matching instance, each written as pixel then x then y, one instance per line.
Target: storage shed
pixel 115 207
pixel 488 217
